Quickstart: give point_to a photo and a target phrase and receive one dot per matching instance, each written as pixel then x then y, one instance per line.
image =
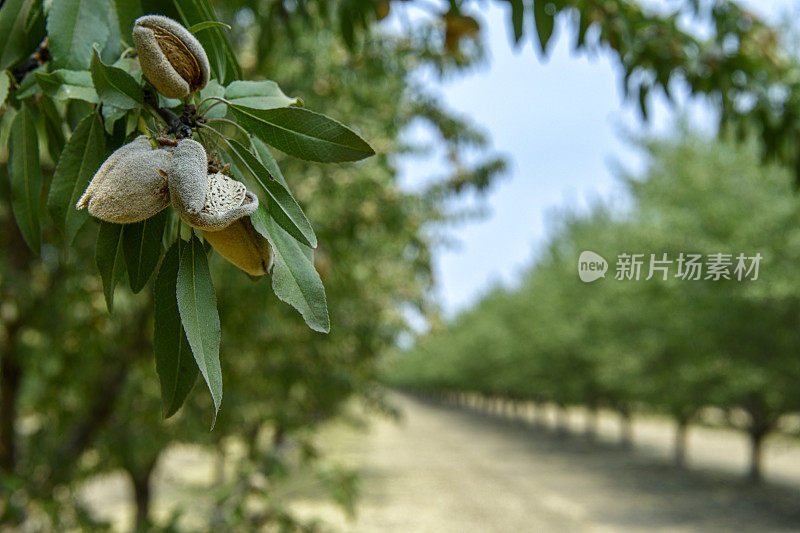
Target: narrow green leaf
pixel 200 26
pixel 80 159
pixel 268 160
pixel 109 259
pixel 5 83
pixel 67 85
pixel 25 175
pixel 12 20
pixel 584 22
pixel 53 124
pixel 131 66
pixel 176 368
pixel 113 47
pixel 127 12
pixel 168 103
pixel 111 115
pixel 544 15
pixel 283 207
pixel 257 94
pixel 643 91
pixel 294 278
pixel 517 18
pixel 14 41
pixel 74 27
pixel 197 305
pixel 224 65
pixel 141 243
pixel 303 133
pixel 28 86
pixel 213 108
pixel 114 86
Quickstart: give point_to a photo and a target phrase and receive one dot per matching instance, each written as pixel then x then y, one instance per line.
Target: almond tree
pixel 83 398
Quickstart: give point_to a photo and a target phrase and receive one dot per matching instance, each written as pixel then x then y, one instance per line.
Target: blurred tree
pixel 80 395
pixel 74 383
pixel 672 345
pixel 714 48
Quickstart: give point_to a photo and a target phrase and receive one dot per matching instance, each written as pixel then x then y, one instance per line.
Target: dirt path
pixel 443 470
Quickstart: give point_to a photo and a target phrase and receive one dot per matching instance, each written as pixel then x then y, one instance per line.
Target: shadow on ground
pixel 444 469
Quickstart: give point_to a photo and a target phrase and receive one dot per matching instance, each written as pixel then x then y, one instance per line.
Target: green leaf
pixel 517 18
pixel 584 22
pixel 5 83
pixel 543 14
pixel 127 12
pixel 257 94
pixel 111 115
pixel 294 278
pixel 67 85
pixel 197 305
pixel 114 86
pixel 168 103
pixel 131 66
pixel 80 159
pixel 25 175
pixel 113 47
pixel 14 41
pixel 53 124
pixel 224 65
pixel 283 207
pixel 141 243
pixel 303 133
pixel 200 26
pixel 268 160
pixel 28 86
pixel 74 27
pixel 109 259
pixel 213 88
pixel 176 368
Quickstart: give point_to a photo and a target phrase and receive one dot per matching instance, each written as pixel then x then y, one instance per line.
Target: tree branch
pixel 38 58
pixel 180 126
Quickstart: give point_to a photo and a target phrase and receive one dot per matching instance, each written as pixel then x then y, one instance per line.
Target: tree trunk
pixel 141 491
pixel 681 432
pixel 756 445
pixel 760 425
pixel 10 376
pixel 19 258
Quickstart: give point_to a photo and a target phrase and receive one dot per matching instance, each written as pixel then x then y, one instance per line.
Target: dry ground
pixel 443 469
pixel 448 470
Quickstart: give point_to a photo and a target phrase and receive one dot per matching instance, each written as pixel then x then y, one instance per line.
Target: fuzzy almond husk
pixel 172 59
pixel 131 185
pixel 209 202
pixel 243 246
pixel 227 200
pixel 188 177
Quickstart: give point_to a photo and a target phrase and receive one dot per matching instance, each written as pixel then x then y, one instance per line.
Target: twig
pixel 181 126
pixel 37 59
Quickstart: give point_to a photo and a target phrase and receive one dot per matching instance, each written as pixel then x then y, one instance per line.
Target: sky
pixel 562 122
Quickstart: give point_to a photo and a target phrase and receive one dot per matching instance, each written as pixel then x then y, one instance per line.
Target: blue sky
pixel 561 122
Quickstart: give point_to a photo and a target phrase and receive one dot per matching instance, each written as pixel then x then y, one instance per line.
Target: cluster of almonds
pixel 140 179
